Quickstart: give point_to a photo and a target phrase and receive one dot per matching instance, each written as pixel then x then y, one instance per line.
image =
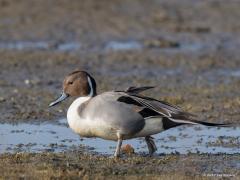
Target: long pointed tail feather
pixel 171 122
pixel 211 124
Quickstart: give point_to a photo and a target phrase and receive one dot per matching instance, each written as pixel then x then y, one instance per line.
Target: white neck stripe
pixel 90 85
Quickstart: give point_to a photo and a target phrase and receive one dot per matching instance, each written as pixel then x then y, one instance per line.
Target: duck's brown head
pixel 77 84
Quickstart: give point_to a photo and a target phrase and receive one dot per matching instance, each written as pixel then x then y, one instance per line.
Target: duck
pixel 120 114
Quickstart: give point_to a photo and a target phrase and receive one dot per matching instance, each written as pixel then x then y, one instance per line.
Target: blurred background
pixel 188 49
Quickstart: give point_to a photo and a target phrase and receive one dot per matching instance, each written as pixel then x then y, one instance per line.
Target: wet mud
pixel 188 49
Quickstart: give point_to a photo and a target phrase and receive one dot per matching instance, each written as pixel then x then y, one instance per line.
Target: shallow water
pixel 58 137
pixel 23 45
pixel 120 46
pixel 112 45
pixel 69 46
pixel 40 45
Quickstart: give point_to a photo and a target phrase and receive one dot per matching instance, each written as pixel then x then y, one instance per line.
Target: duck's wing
pixel 162 107
pixel 131 96
pixel 150 108
pixel 137 90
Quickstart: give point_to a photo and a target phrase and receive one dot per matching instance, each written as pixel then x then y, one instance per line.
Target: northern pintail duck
pixel 119 115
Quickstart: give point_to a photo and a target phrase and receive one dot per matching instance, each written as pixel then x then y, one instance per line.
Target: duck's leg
pixel 151 145
pixel 119 144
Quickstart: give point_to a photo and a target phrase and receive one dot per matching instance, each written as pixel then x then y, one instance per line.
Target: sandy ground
pixel 189 50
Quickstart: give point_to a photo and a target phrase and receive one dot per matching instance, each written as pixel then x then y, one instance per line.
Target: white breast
pixel 88 125
pixel 77 123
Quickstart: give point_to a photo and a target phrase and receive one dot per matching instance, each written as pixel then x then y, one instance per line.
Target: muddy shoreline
pixel 188 49
pixel 79 165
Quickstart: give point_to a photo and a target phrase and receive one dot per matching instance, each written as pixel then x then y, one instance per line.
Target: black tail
pixel 170 123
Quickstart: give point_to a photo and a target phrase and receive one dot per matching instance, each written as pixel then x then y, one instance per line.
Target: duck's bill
pixel 60 99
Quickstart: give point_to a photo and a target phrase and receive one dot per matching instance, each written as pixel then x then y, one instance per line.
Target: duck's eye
pixel 70 82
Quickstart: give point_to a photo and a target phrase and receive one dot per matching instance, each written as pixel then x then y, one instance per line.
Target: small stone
pixel 15 91
pixel 127 149
pixel 2 99
pixel 60 110
pixel 27 81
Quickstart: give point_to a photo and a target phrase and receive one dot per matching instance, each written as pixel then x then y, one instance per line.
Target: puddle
pixel 67 46
pixel 71 46
pixel 219 76
pixel 178 47
pixel 58 137
pixel 197 46
pixel 40 45
pixel 230 72
pixel 24 45
pixel 109 46
pixel 123 46
pixel 222 73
